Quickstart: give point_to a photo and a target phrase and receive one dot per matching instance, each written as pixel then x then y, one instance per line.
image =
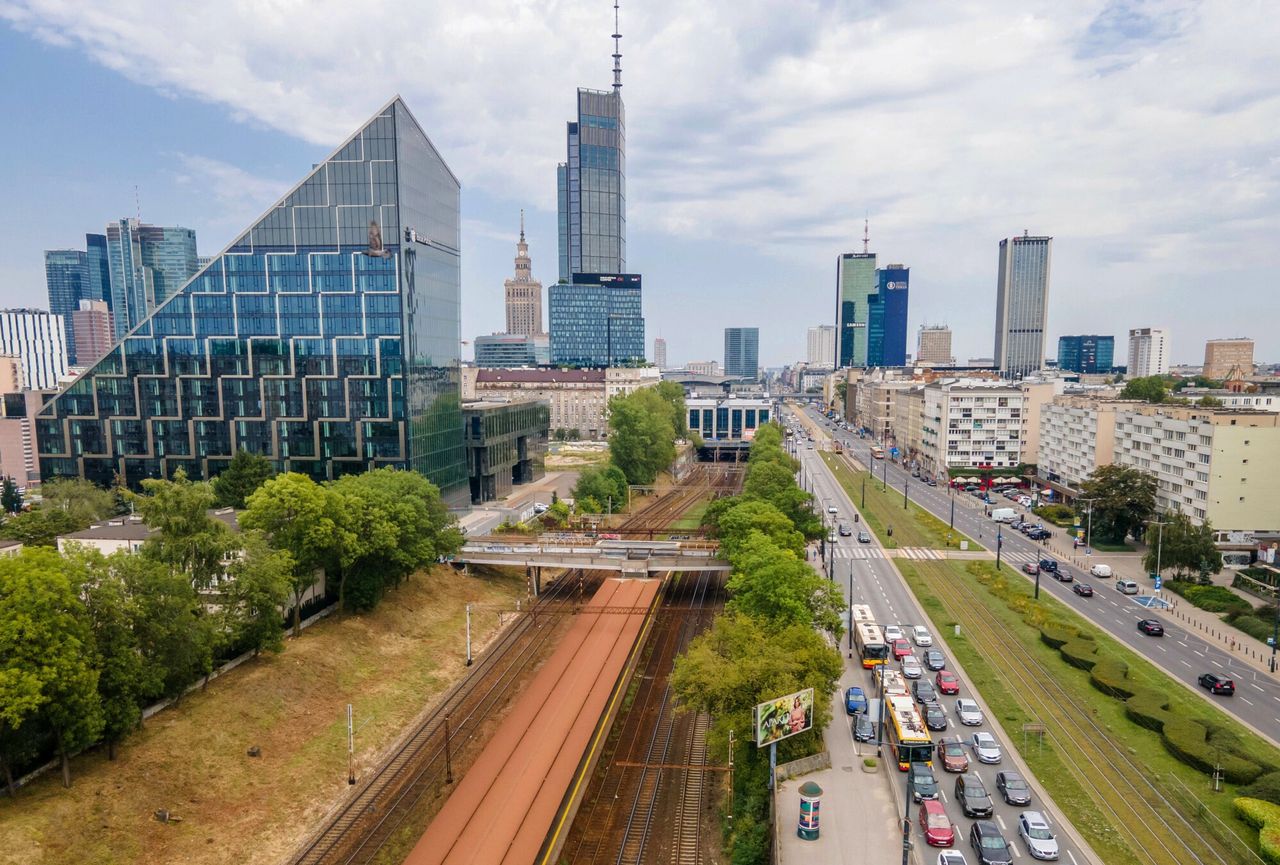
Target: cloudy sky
pixel 1142 135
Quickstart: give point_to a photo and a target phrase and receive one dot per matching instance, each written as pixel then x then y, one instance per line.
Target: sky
pixel 1143 136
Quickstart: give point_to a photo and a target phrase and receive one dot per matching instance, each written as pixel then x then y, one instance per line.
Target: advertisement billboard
pixel 782 717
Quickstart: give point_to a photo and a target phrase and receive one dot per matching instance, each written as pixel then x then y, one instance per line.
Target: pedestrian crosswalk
pixel 858 553
pixel 920 553
pixel 877 553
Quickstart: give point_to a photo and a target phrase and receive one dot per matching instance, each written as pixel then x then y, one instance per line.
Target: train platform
pixel 507 804
pixel 858 819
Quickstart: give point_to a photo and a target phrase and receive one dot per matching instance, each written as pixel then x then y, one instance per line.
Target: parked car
pixel 924 691
pixel 911 667
pixel 1126 587
pixel 855 700
pixel 922 636
pixel 864 729
pixel 931 482
pixel 1030 569
pixel 951 857
pixel 989 845
pixel 935 717
pixel 1151 627
pixel 935 660
pixel 1084 590
pixel 923 784
pixel 972 796
pixel 1013 788
pixel 935 825
pixel 1039 534
pixel 1217 684
pixel 968 713
pixel 947 682
pixel 985 747
pixel 954 756
pixel 1036 834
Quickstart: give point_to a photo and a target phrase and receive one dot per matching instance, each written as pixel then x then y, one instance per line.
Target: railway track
pixel 419 766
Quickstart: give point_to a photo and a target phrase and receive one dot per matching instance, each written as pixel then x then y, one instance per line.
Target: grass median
pixel 913 526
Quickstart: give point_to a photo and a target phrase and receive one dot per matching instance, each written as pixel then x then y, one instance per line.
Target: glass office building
pixel 887 317
pixel 1086 353
pixel 1022 304
pixel 856 283
pixel 325 337
pixel 591 187
pixel 66 274
pixel 742 352
pixel 148 264
pixel 596 320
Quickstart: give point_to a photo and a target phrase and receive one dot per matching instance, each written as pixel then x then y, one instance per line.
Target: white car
pixel 1100 570
pixel 968 712
pixel 951 857
pixel 891 633
pixel 911 668
pixel 922 636
pixel 1036 834
pixel 986 748
pixel 539 507
pixel 832 509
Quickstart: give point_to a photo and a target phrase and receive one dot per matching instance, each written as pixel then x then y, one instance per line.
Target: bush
pixel 1147 708
pixel 1055 636
pixel 1061 515
pixel 1265 817
pixel 1110 676
pixel 1188 741
pixel 1255 627
pixel 869 762
pixel 1266 788
pixel 1215 599
pixel 1081 652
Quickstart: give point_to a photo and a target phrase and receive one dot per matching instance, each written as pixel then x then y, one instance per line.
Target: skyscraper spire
pixel 522 225
pixel 866 235
pixel 617 51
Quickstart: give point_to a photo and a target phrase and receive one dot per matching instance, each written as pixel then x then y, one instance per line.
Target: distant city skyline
pixel 1092 169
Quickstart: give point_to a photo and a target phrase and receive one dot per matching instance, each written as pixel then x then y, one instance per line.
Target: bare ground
pixel 191 760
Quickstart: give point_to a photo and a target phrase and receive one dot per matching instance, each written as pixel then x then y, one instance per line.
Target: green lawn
pixel 912 527
pixel 692 518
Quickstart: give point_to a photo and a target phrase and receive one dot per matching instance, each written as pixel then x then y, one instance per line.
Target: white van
pixel 1126 587
pixel 1003 515
pixel 1100 570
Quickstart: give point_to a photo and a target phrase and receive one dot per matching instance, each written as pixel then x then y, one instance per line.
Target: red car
pixel 935 824
pixel 1031 569
pixel 955 757
pixel 901 648
pixel 947 682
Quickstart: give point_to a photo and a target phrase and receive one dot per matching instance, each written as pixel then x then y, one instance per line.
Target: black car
pixel 972 796
pixel 1084 590
pixel 935 717
pixel 931 482
pixel 1217 684
pixel 989 845
pixel 1151 627
pixel 1062 576
pixel 1048 565
pixel 1013 788
pixel 864 729
pixel 923 784
pixel 924 691
pixel 1039 534
pixel 934 660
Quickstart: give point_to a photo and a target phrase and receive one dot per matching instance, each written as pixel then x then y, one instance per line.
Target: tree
pixel 242 476
pixel 673 393
pixel 642 443
pixel 756 517
pixel 293 512
pixel 45 643
pixel 1209 402
pixel 1123 499
pixel 604 484
pixel 187 539
pixel 1151 388
pixel 1186 548
pixel 86 502
pixel 40 527
pixel 774 483
pixel 779 588
pixel 175 638
pixel 10 498
pixel 252 600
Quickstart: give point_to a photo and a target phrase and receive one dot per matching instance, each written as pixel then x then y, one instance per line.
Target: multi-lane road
pixel 875 582
pixel 1180 653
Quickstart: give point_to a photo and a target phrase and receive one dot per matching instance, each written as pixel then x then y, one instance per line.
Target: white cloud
pixel 1142 134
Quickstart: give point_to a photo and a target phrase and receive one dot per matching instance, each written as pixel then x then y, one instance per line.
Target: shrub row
pixel 1058 514
pixel 1253 625
pixel 1215 599
pixel 1265 817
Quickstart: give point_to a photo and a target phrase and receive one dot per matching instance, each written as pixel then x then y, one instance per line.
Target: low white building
pixel 971 423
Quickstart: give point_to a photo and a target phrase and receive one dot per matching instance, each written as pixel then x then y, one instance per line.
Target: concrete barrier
pixel 803 766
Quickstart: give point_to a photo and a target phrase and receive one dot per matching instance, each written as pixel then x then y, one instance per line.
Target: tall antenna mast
pixel 866 236
pixel 137 202
pixel 522 225
pixel 617 51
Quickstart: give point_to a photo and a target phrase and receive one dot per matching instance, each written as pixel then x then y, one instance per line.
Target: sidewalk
pixel 859 819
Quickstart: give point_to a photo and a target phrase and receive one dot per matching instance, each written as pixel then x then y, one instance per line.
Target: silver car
pixel 1036 834
pixel 951 857
pixel 911 668
pixel 986 748
pixel 968 713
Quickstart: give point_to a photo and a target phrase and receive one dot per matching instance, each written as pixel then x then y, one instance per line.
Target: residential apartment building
pixel 1077 436
pixel 578 398
pixel 659 352
pixel 1216 465
pixel 1148 352
pixel 40 340
pixel 821 346
pixel 1225 357
pixel 908 406
pixel 971 423
pixel 933 346
pixel 92 333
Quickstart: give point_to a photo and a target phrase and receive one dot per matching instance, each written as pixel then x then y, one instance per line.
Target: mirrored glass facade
pixel 591 188
pixel 147 264
pixel 596 321
pixel 856 282
pixel 742 351
pixel 887 317
pixel 325 337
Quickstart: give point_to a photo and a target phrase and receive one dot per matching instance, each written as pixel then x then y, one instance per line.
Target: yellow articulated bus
pixel 872 648
pixel 906 733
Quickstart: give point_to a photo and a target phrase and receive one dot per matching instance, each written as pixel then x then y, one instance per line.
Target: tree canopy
pixel 747 517
pixel 241 478
pixel 1123 499
pixel 604 485
pixel 1183 547
pixel 1151 388
pixel 777 586
pixel 642 435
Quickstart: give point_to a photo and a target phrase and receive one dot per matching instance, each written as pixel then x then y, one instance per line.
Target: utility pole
pixel 351 748
pixel 906 480
pixel 1159 540
pixel 906 817
pixel 468 635
pixel 999 547
pixel 864 492
pixel 849 606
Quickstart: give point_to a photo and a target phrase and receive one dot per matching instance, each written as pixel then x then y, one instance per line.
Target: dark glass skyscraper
pixel 149 263
pixel 591 187
pixel 66 274
pixel 742 351
pixel 887 317
pixel 325 337
pixel 1086 353
pixel 596 321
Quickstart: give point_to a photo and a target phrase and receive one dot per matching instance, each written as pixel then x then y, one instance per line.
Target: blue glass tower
pixel 1086 353
pixel 325 337
pixel 148 263
pixel 66 273
pixel 887 317
pixel 595 320
pixel 742 352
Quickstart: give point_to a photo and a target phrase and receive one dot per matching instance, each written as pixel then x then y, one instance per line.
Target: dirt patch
pixel 192 761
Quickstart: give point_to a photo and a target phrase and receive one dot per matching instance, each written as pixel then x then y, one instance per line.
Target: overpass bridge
pixel 630 558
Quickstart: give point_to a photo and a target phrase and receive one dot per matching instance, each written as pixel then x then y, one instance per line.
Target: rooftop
pixel 540 376
pixel 132 527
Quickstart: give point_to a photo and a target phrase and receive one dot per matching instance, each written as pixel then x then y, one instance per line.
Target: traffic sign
pixel 1159 583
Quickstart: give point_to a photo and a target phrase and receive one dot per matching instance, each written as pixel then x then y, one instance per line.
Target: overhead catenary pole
pixel 468 635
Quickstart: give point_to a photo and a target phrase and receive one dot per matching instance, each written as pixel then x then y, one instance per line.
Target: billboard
pixel 782 717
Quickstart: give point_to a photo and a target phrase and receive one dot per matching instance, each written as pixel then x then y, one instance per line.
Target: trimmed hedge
pixel 1110 676
pixel 1054 636
pixel 1265 817
pixel 1147 708
pixel 1215 599
pixel 1080 652
pixel 1189 741
pixel 1266 788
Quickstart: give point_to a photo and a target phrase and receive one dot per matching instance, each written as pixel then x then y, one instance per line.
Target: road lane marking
pixel 1000 820
pixel 1183 663
pixel 1247 700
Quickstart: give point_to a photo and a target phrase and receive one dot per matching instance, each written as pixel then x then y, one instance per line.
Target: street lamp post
pixel 906 479
pixel 1159 541
pixel 906 818
pixel 849 606
pixel 952 524
pixel 999 546
pixel 884 474
pixel 1275 630
pixel 864 492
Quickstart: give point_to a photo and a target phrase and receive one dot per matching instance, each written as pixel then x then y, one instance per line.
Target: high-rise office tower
pixel 1224 357
pixel 821 346
pixel 39 339
pixel 325 336
pixel 1086 353
pixel 742 351
pixel 856 283
pixel 523 293
pixel 93 333
pixel 66 274
pixel 1022 304
pixel 887 317
pixel 149 263
pixel 591 182
pixel 659 352
pixel 933 345
pixel 596 321
pixel 1148 352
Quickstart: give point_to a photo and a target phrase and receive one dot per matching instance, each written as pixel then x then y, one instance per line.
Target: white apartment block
pixel 1077 435
pixel 39 338
pixel 822 346
pixel 1220 465
pixel 971 423
pixel 1148 352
